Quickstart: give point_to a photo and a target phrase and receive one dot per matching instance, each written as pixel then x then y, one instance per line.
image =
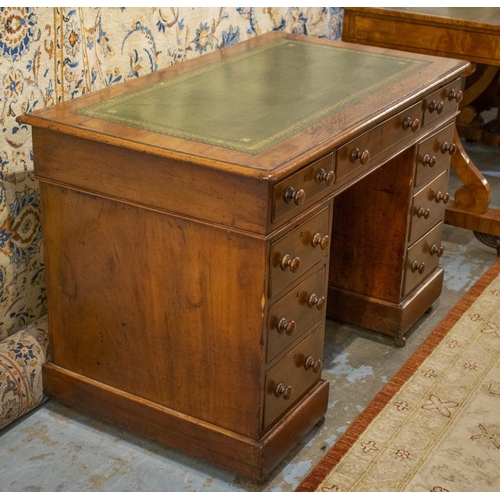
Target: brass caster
pixel 400 341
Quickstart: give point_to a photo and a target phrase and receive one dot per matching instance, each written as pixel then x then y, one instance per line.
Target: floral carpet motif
pixel 21 360
pixel 436 425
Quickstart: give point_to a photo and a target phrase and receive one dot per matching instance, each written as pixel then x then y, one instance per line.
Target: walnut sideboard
pixel 202 221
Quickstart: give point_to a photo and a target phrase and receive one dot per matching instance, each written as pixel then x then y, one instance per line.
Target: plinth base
pixel 251 458
pixel 380 315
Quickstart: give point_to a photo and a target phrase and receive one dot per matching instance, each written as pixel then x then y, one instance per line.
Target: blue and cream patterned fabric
pixel 21 358
pixel 50 55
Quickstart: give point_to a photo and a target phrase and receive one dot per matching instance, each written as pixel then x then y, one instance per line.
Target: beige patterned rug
pixel 436 425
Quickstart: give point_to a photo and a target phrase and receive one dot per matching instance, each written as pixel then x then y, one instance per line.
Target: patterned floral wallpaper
pixel 48 55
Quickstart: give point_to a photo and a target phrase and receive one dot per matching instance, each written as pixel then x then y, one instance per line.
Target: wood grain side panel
pixel 140 178
pixel 369 231
pixel 417 33
pixel 157 306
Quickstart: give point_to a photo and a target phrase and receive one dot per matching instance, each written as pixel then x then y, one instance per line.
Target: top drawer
pixel 310 182
pixel 442 101
pixel 363 150
pixel 434 154
pixel 296 252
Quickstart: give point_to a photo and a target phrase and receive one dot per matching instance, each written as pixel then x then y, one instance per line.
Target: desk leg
pixel 469 209
pixel 475 194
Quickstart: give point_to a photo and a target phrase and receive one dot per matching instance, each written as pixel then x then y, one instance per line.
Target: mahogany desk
pixel 466 33
pixel 201 221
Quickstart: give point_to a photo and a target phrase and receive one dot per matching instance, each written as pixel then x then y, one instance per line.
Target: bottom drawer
pixel 290 379
pixel 422 258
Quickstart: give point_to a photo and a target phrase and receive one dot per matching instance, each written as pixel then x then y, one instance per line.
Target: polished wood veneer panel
pixel 469 33
pixel 369 231
pixel 130 309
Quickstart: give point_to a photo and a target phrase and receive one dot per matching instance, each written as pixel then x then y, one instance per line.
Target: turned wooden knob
pixel 281 390
pixel 423 212
pixel 438 107
pixel 363 157
pixel 409 124
pixel 310 363
pixel 450 148
pixel 445 198
pixel 286 326
pixel 453 94
pixel 418 267
pixel 321 241
pixel 429 160
pixel 298 197
pixel 437 250
pixel 315 301
pixel 292 264
pixel 324 176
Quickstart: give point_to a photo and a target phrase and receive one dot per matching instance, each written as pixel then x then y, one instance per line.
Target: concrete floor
pixel 55 448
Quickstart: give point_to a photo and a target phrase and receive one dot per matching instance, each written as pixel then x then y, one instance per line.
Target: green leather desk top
pixel 251 101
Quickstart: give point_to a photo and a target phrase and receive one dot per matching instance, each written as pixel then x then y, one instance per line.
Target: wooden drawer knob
pixel 409 124
pixel 283 391
pixel 324 176
pixel 449 148
pixel 292 264
pixel 315 301
pixel 423 212
pixel 298 197
pixel 445 198
pixel 453 94
pixel 363 157
pixel 438 107
pixel 436 250
pixel 418 267
pixel 321 241
pixel 429 160
pixel 315 365
pixel 286 326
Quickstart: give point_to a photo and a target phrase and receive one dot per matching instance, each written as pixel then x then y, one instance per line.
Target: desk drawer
pixel 311 181
pixel 443 101
pixel 422 258
pixel 290 379
pixel 298 310
pixel 428 206
pixel 296 252
pixel 362 151
pixel 434 154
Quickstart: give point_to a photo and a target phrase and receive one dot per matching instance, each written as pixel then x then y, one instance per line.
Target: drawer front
pixel 422 258
pixel 290 379
pixel 443 101
pixel 298 310
pixel 428 206
pixel 434 154
pixel 309 183
pixel 362 151
pixel 296 252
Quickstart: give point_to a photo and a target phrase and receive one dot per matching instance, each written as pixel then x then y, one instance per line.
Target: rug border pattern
pixel 347 440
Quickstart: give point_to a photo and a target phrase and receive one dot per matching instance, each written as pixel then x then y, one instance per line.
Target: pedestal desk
pixel 201 222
